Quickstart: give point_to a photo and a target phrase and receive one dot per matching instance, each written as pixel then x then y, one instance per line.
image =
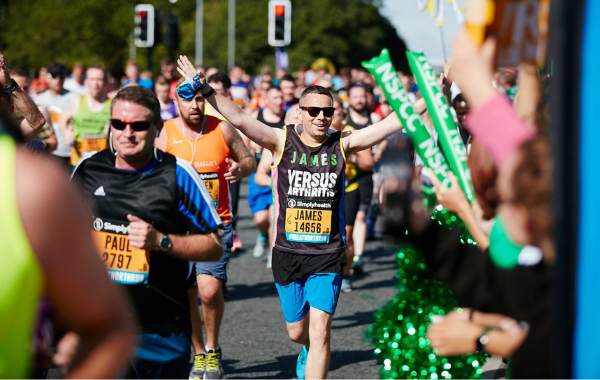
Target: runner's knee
pixel 319 332
pixel 210 291
pixel 296 333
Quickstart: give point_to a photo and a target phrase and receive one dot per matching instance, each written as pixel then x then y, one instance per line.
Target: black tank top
pixel 363 176
pixel 357 126
pixel 260 117
pixel 151 194
pixel 308 183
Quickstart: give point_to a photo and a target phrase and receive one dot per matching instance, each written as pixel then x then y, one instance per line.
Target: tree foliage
pixel 35 33
pixel 345 31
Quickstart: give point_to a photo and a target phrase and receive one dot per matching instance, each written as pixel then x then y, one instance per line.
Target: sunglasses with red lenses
pixel 315 111
pixel 136 126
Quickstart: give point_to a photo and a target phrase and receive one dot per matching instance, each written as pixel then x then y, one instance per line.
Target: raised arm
pixel 371 135
pixel 256 131
pixel 33 120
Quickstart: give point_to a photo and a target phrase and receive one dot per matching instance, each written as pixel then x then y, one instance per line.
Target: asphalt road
pixel 253 336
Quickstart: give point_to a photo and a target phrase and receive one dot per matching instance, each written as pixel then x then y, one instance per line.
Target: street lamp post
pixel 198 59
pixel 231 34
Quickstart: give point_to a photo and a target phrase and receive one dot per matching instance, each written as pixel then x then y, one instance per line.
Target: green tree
pixel 345 31
pixel 35 33
pixel 88 31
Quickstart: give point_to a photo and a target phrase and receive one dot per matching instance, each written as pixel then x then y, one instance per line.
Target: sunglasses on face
pixel 136 126
pixel 315 111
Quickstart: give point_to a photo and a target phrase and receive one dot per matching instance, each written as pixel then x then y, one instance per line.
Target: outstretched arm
pixel 371 135
pixel 256 131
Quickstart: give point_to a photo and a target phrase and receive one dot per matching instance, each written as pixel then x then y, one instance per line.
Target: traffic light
pixel 144 25
pixel 280 22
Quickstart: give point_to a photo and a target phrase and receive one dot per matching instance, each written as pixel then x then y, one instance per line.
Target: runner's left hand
pixel 142 234
pixel 234 171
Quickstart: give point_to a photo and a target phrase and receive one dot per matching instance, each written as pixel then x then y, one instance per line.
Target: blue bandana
pixel 188 89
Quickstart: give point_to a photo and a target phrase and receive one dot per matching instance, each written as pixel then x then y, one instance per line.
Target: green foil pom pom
pixel 399 330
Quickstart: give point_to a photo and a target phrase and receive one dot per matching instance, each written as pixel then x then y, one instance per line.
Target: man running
pixel 216 151
pixel 288 87
pixel 152 214
pixel 355 162
pixel 56 99
pixel 260 198
pixel 308 179
pixel 359 117
pixel 47 250
pixel 85 120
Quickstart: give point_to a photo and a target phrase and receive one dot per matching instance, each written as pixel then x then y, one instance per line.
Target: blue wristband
pixel 188 89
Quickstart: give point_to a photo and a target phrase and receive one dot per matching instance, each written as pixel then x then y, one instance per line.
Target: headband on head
pixel 188 89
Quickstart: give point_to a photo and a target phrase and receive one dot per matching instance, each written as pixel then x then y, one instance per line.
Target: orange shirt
pixel 207 154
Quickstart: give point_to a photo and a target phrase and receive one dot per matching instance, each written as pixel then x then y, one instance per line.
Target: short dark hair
pixel 320 90
pixel 141 96
pixel 362 85
pixel 288 77
pixel 57 70
pixel 220 77
pixel 161 81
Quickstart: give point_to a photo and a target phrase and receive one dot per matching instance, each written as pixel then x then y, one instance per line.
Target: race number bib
pixel 211 181
pixel 308 221
pixel 126 265
pixel 91 143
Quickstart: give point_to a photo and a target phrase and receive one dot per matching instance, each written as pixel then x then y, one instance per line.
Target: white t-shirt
pixel 56 104
pixel 74 87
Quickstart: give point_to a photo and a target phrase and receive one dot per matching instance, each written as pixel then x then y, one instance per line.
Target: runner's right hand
pixel 4 75
pixel 142 234
pixel 187 70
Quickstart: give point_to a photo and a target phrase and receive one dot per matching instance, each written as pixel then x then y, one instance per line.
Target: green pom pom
pixel 399 330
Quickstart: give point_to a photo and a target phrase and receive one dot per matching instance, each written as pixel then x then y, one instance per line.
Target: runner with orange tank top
pixel 209 155
pixel 217 152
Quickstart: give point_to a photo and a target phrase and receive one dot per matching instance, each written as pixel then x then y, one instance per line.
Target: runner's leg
pixel 319 351
pixel 213 307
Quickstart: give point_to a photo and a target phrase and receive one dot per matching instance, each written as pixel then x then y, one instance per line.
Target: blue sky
pixel 418 28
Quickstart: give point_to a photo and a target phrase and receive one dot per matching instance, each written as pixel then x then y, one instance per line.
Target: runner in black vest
pixel 151 214
pixel 260 198
pixel 308 251
pixel 359 117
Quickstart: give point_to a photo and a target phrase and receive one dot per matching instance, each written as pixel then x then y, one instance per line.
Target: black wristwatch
pixel 11 87
pixel 481 341
pixel 207 91
pixel 165 243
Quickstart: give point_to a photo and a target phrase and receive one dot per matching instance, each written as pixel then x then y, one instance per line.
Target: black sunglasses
pixel 315 111
pixel 136 126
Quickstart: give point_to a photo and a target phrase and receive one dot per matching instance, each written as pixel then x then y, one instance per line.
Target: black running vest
pixel 151 194
pixel 308 192
pixel 280 124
